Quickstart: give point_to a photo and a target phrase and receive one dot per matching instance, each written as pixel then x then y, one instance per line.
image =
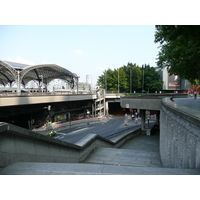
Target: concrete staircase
pixel 124 157
pixel 139 156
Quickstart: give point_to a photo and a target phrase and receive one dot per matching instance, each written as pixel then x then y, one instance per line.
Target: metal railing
pixel 43 93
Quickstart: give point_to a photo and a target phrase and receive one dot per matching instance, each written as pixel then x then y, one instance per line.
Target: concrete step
pixel 125 157
pixel 32 168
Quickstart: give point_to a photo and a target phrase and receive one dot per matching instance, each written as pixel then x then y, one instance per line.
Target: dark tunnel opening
pixel 116 110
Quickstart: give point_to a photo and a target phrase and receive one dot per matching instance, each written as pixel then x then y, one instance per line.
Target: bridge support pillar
pixel 18 83
pixel 142 112
pixel 106 108
pixel 158 117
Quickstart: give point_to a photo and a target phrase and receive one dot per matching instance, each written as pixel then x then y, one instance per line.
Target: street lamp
pixel 118 81
pixel 49 107
pixel 130 80
pixel 106 80
pixel 142 80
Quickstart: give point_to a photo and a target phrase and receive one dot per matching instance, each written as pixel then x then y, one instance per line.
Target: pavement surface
pixel 105 127
pixel 189 102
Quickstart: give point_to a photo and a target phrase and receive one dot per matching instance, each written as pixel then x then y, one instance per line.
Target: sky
pixel 87 37
pixel 82 49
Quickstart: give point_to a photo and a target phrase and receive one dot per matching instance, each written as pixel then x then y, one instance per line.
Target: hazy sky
pixel 82 49
pixel 87 37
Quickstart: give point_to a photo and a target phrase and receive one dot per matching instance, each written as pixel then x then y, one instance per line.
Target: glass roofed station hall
pixel 18 74
pixel 35 109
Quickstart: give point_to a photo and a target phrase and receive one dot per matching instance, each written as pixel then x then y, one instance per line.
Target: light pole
pixel 118 81
pixel 130 80
pixel 105 80
pixel 143 80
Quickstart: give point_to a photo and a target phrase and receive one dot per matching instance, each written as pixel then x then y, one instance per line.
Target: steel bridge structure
pixel 21 74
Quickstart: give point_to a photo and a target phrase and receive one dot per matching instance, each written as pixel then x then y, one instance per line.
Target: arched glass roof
pixel 44 72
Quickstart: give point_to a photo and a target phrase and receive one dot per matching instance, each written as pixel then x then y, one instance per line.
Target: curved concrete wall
pixel 179 136
pixel 146 102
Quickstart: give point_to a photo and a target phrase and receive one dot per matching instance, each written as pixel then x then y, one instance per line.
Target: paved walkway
pixel 189 102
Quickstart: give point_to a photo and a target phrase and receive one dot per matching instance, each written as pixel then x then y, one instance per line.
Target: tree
pixel 130 79
pixel 133 76
pixel 105 80
pixel 152 80
pixel 180 50
pixel 109 79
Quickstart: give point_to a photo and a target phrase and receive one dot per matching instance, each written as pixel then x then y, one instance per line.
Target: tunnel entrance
pixel 116 110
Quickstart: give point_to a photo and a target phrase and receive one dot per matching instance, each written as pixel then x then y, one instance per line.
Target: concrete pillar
pixel 18 83
pixel 158 117
pixel 95 107
pixel 77 84
pixel 142 112
pixel 92 110
pixel 106 108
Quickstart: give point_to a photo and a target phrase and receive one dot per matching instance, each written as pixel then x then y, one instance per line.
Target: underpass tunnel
pixel 115 109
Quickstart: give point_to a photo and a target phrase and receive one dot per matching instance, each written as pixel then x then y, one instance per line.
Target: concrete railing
pixel 24 100
pixel 21 145
pixel 147 102
pixel 179 136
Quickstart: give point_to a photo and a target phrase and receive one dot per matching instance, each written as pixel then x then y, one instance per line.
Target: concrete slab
pixel 89 169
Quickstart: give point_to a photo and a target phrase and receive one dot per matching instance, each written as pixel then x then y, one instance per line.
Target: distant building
pixel 172 82
pixel 89 79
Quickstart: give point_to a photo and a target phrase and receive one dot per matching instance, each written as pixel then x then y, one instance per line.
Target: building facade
pixel 173 82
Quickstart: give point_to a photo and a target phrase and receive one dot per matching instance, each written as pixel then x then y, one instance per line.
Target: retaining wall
pixel 21 145
pixel 179 136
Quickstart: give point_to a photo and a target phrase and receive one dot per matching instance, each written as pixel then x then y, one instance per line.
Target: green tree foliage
pixel 152 80
pixel 180 50
pixel 133 77
pixel 110 79
pixel 130 78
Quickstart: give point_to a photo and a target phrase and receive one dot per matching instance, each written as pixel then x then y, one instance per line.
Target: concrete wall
pixel 21 145
pixel 179 136
pixel 18 144
pixel 146 102
pixel 24 100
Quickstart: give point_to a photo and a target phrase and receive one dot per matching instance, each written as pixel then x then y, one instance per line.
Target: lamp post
pixel 130 80
pixel 49 109
pixel 106 80
pixel 118 81
pixel 142 80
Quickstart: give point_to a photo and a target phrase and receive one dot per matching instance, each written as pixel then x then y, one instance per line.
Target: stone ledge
pixel 184 112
